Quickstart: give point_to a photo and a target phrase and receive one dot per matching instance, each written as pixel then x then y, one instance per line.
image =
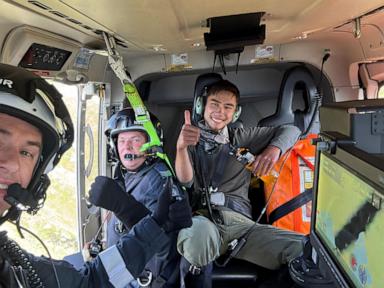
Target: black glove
pixel 170 213
pixel 108 194
pixel 180 215
pixel 161 213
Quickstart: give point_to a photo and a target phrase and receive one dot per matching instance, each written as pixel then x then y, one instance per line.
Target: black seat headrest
pixel 294 78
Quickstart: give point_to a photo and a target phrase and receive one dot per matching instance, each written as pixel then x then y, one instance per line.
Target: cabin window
pixel 381 91
pixel 91 147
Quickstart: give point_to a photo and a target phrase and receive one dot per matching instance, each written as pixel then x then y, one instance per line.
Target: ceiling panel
pixel 173 26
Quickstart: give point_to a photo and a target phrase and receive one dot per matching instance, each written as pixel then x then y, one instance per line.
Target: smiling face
pixel 130 142
pixel 219 109
pixel 20 148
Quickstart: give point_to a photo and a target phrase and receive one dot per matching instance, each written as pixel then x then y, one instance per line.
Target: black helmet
pixel 30 98
pixel 125 120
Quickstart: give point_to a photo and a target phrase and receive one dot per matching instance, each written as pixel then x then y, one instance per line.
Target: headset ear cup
pixel 236 115
pixel 199 107
pixel 112 149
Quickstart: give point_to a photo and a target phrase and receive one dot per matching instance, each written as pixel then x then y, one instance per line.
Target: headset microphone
pixel 131 157
pixel 20 198
pixel 136 156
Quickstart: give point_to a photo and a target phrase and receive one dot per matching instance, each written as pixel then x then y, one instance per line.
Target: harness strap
pixel 220 166
pixel 306 161
pixel 169 274
pixel 115 268
pixel 297 201
pixel 212 182
pixel 149 279
pixel 290 206
pixel 137 179
pixel 213 177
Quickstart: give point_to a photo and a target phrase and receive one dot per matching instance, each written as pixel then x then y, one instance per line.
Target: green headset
pixel 202 85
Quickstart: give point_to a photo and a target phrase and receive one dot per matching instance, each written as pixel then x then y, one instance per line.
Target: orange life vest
pixel 295 177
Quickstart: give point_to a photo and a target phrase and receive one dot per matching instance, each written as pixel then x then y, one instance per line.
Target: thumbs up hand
pixel 187 117
pixel 189 134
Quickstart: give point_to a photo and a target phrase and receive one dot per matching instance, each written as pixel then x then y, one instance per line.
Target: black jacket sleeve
pixel 135 248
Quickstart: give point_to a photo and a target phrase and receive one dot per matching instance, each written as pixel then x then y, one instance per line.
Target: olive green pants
pixel 266 246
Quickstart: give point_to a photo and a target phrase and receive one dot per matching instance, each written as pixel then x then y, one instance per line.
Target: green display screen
pixel 349 222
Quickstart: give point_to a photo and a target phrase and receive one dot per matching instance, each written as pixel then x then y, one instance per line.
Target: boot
pixel 305 272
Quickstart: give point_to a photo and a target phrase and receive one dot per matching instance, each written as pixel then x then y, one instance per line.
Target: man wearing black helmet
pixel 35 130
pixel 220 182
pixel 144 177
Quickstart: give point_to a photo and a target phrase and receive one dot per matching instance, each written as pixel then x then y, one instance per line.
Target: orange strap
pixel 306 161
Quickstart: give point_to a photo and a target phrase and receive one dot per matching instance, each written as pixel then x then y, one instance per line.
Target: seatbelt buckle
pixel 203 200
pixel 232 245
pixel 194 270
pixel 238 247
pixel 217 198
pixel 212 190
pixel 245 157
pixel 145 279
pixel 115 59
pixel 119 227
pixel 233 248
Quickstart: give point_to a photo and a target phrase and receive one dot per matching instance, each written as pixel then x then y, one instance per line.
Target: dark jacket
pixel 235 178
pixel 145 186
pixel 129 256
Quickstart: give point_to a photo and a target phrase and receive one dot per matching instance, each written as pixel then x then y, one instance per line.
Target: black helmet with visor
pixel 124 121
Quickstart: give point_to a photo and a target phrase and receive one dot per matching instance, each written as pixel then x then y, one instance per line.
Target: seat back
pixel 298 87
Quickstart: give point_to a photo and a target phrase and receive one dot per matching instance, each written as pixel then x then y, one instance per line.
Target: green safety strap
pixel 142 117
pixel 130 90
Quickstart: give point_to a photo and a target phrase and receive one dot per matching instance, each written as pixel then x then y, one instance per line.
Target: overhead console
pixel 43 57
pixel 45 53
pixel 52 56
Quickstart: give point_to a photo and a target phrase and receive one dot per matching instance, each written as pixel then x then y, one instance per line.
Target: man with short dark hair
pixel 221 203
pixel 35 131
